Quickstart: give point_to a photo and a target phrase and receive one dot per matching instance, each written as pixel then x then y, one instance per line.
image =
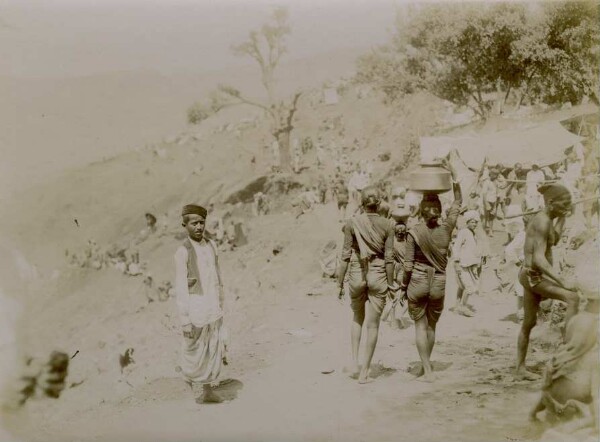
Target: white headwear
pixel 471 214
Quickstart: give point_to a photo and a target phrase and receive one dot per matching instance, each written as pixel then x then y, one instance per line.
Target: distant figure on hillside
pixel 489 192
pixel 368 254
pixel 322 188
pixel 200 298
pixel 340 192
pixel 151 227
pixel 508 271
pixel 304 202
pixel 358 181
pixel 276 166
pixel 513 223
pixel 307 145
pixel 150 222
pixel 516 179
pixel 538 277
pixel 321 153
pixel 296 156
pixel 534 178
pixel 474 202
pixel 235 233
pixel 260 206
pixel 425 263
pixel 572 175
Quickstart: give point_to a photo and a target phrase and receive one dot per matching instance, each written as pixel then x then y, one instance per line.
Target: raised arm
pixel 455 184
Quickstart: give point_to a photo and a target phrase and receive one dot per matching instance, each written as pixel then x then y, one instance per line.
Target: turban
pixel 399 191
pixel 471 214
pixel 553 192
pixel 193 209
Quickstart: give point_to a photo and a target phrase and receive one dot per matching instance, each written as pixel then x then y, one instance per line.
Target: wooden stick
pixel 533 212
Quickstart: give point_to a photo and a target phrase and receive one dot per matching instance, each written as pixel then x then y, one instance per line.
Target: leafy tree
pixel 266 47
pixel 571 41
pixel 477 54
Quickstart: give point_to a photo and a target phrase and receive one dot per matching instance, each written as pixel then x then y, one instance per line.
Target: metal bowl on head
pixel 431 178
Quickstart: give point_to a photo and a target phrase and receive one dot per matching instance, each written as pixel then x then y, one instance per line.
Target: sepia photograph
pixel 299 221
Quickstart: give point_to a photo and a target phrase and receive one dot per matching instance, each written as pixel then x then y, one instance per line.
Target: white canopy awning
pixel 543 144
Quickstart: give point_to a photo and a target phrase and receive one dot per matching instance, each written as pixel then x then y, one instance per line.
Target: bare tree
pixel 266 47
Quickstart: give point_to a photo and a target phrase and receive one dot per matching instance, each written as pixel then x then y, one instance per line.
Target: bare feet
pixel 363 377
pixel 427 377
pixel 464 311
pixel 209 397
pixel 526 375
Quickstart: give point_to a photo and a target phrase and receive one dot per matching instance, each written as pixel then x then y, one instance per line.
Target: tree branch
pixel 234 93
pixel 286 124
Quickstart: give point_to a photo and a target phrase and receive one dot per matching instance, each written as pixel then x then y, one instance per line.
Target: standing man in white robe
pixel 199 293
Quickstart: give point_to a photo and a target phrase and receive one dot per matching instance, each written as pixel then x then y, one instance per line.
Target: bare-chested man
pixel 538 277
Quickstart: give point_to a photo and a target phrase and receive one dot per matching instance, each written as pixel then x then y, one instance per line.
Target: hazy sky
pixel 80 37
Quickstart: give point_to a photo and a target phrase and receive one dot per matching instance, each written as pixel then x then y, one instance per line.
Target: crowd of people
pixel 399 248
pixel 536 265
pixel 125 258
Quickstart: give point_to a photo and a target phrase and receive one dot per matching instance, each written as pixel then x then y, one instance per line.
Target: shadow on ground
pixel 379 370
pixel 416 367
pixel 228 389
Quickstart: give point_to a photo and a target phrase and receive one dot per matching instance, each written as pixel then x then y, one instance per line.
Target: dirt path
pixel 289 398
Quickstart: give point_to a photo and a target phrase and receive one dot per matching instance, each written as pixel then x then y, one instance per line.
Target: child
pixel 199 293
pixel 467 257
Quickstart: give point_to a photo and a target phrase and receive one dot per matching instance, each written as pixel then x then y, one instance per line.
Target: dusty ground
pixel 289 351
pixel 290 336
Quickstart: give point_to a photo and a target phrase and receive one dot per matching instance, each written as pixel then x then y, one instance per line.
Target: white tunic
pixel 204 309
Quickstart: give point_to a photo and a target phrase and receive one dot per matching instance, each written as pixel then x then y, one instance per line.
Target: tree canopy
pixel 477 54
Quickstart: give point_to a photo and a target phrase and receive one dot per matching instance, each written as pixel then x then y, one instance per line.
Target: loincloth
pixel 534 277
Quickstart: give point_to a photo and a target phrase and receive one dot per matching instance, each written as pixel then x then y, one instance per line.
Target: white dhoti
pixel 202 356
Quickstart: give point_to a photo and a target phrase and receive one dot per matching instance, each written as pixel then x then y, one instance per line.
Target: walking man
pixel 368 254
pixel 425 260
pixel 537 276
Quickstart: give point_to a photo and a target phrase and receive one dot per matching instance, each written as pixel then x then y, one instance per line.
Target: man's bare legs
pixel 430 337
pixel 355 333
pixel 531 303
pixel 425 340
pixel 373 319
pixel 459 294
